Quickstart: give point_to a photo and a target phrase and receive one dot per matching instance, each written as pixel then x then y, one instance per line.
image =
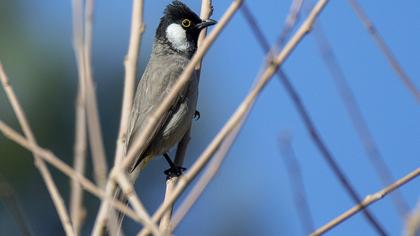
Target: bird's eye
pixel 186 23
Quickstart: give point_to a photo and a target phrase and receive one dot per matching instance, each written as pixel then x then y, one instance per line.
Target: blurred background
pixel 251 195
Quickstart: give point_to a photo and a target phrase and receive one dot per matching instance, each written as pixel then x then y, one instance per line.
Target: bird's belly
pixel 174 129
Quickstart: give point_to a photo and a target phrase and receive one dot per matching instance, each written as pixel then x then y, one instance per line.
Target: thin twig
pixel 296 183
pixel 64 168
pixel 310 126
pixel 357 119
pixel 8 195
pixel 92 114
pixel 369 199
pixel 243 108
pixel 392 60
pixel 77 212
pixel 39 163
pixel 130 64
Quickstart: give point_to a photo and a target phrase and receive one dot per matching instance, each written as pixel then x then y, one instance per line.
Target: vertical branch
pixel 39 163
pixel 130 65
pixel 80 144
pixel 93 122
pixel 357 119
pixel 296 183
pixel 392 60
pixel 77 211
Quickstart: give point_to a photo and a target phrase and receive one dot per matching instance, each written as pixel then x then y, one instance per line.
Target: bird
pixel 174 45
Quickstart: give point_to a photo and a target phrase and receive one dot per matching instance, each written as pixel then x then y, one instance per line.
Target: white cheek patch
pixel 177 36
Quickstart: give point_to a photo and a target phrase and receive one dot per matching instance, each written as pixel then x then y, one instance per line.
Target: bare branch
pixel 369 199
pixel 39 163
pixel 385 49
pixel 93 122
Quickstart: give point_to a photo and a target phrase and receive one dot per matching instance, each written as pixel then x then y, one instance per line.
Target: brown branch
pixel 243 108
pixel 296 183
pixel 39 163
pixel 392 60
pixel 369 199
pixel 356 118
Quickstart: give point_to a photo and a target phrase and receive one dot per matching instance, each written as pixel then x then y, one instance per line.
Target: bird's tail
pixel 116 218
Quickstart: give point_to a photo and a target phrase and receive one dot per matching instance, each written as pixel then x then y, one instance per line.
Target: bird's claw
pixel 197 115
pixel 174 171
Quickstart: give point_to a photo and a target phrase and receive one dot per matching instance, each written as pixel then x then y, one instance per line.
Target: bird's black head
pixel 180 26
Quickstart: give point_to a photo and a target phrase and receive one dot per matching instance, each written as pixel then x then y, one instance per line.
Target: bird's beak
pixel 204 24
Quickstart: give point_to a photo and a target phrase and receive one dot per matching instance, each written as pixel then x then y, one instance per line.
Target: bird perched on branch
pixel 175 44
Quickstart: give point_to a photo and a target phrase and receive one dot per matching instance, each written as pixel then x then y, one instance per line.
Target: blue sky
pixel 252 194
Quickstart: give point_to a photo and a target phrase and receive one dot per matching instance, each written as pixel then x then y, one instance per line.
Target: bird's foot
pixel 196 115
pixel 174 171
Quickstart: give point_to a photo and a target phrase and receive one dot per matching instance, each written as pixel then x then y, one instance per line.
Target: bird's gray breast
pixel 159 77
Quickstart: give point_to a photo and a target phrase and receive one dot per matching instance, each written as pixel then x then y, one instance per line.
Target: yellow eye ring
pixel 186 23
